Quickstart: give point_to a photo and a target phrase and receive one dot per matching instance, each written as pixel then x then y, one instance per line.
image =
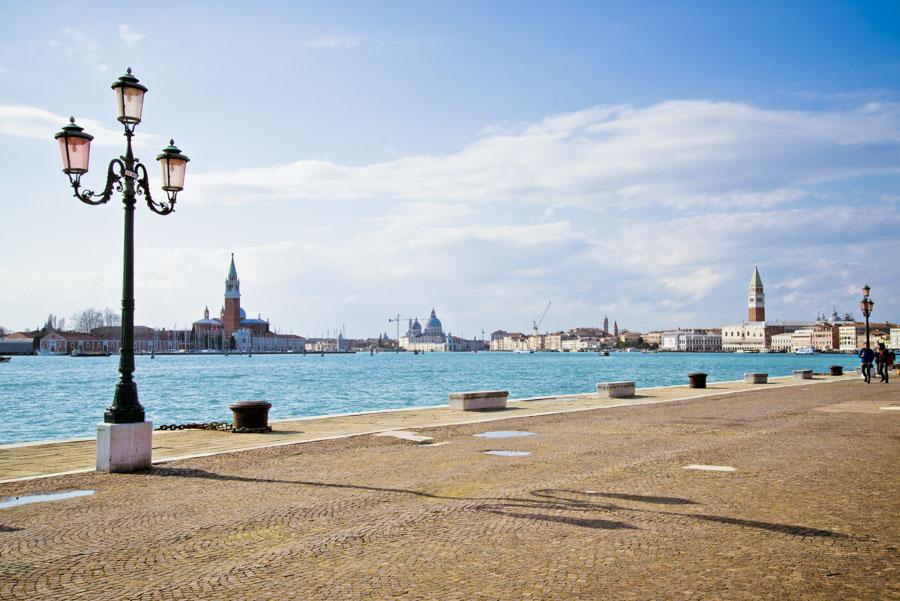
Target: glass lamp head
pixel 129 98
pixel 173 164
pixel 866 290
pixel 74 148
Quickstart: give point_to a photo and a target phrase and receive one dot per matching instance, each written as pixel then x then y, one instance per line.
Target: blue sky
pixel 365 159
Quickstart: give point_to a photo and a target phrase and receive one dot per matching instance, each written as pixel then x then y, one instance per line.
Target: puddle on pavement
pixel 508 453
pixel 57 496
pixel 504 434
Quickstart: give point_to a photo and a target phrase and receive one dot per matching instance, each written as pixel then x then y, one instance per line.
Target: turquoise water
pixel 45 398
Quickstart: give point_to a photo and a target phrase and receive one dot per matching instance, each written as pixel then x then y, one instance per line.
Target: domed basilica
pixel 431 338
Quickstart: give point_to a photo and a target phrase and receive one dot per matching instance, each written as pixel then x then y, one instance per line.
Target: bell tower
pixel 756 299
pixel 231 315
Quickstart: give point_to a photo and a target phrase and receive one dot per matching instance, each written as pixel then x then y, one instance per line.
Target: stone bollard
pixel 803 374
pixel 837 370
pixel 250 416
pixel 751 378
pixel 697 379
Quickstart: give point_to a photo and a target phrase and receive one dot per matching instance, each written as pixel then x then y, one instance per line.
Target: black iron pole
pixel 867 329
pixel 126 409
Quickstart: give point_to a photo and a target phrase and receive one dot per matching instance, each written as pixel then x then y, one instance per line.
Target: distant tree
pixel 3 331
pixel 111 318
pixel 54 323
pixel 87 319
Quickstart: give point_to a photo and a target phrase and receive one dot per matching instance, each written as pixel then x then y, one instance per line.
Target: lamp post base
pixel 124 447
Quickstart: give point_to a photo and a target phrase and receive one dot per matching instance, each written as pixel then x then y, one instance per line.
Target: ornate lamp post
pixel 865 305
pixel 127 175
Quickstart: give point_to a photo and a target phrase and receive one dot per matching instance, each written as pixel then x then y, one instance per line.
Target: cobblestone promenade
pixel 602 509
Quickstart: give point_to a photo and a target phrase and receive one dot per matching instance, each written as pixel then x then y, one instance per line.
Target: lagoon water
pixel 44 398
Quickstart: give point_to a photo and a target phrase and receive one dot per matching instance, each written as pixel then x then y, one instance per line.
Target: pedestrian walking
pixel 884 358
pixel 866 356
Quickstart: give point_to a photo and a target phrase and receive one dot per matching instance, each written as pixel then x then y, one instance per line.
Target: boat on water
pixel 805 350
pixel 77 353
pixel 522 352
pixel 604 353
pixel 4 359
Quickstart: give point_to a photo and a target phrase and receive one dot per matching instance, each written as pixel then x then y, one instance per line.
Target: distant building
pixel 232 325
pixel 895 338
pixel 690 341
pixel 429 339
pixel 754 335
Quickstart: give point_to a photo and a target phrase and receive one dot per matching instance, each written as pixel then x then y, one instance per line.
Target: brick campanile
pixel 756 299
pixel 231 315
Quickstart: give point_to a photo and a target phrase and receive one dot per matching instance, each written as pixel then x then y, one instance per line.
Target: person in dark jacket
pixel 884 357
pixel 867 356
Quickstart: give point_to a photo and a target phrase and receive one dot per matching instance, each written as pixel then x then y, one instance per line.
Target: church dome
pixel 243 314
pixel 434 323
pixel 416 327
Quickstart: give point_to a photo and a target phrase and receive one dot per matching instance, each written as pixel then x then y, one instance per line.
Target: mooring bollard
pixel 250 416
pixel 697 379
pixel 803 374
pixel 837 370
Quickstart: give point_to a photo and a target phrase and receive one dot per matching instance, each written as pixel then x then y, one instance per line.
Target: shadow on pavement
pixel 557 499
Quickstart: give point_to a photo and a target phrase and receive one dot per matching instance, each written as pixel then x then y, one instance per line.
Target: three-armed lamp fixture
pixel 128 175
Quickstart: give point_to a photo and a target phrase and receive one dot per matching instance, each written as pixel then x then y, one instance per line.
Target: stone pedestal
pixel 617 390
pixel 479 400
pixel 124 447
pixel 803 374
pixel 836 370
pixel 756 378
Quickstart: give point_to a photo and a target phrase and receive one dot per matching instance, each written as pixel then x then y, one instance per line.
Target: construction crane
pixel 397 320
pixel 537 321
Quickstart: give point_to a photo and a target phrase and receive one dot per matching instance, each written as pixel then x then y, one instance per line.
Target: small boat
pixel 604 353
pixel 4 359
pixel 805 350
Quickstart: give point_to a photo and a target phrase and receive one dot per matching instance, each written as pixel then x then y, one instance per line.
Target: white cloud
pixel 679 154
pixel 128 35
pixel 32 122
pixel 332 41
pixel 80 42
pixel 653 215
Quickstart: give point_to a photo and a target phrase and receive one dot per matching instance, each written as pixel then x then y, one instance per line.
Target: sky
pixel 367 160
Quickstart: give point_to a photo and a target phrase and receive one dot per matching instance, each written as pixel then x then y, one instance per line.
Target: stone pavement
pixel 602 509
pixel 24 461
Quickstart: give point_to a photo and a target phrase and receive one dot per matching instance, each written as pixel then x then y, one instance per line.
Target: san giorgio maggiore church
pixel 235 331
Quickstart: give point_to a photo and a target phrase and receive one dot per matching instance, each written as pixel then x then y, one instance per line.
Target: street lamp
pixel 865 305
pixel 128 175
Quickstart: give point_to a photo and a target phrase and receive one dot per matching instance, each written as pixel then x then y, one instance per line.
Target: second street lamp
pixel 866 305
pixel 129 447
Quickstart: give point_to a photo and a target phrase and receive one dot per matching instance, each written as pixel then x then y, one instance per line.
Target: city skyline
pixel 629 161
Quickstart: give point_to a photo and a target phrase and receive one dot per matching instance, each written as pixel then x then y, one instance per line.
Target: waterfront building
pixel 64 343
pixel 18 343
pixel 651 338
pixel 781 343
pixel 849 337
pixel 429 339
pixel 690 341
pixel 754 335
pixel 825 338
pixel 895 338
